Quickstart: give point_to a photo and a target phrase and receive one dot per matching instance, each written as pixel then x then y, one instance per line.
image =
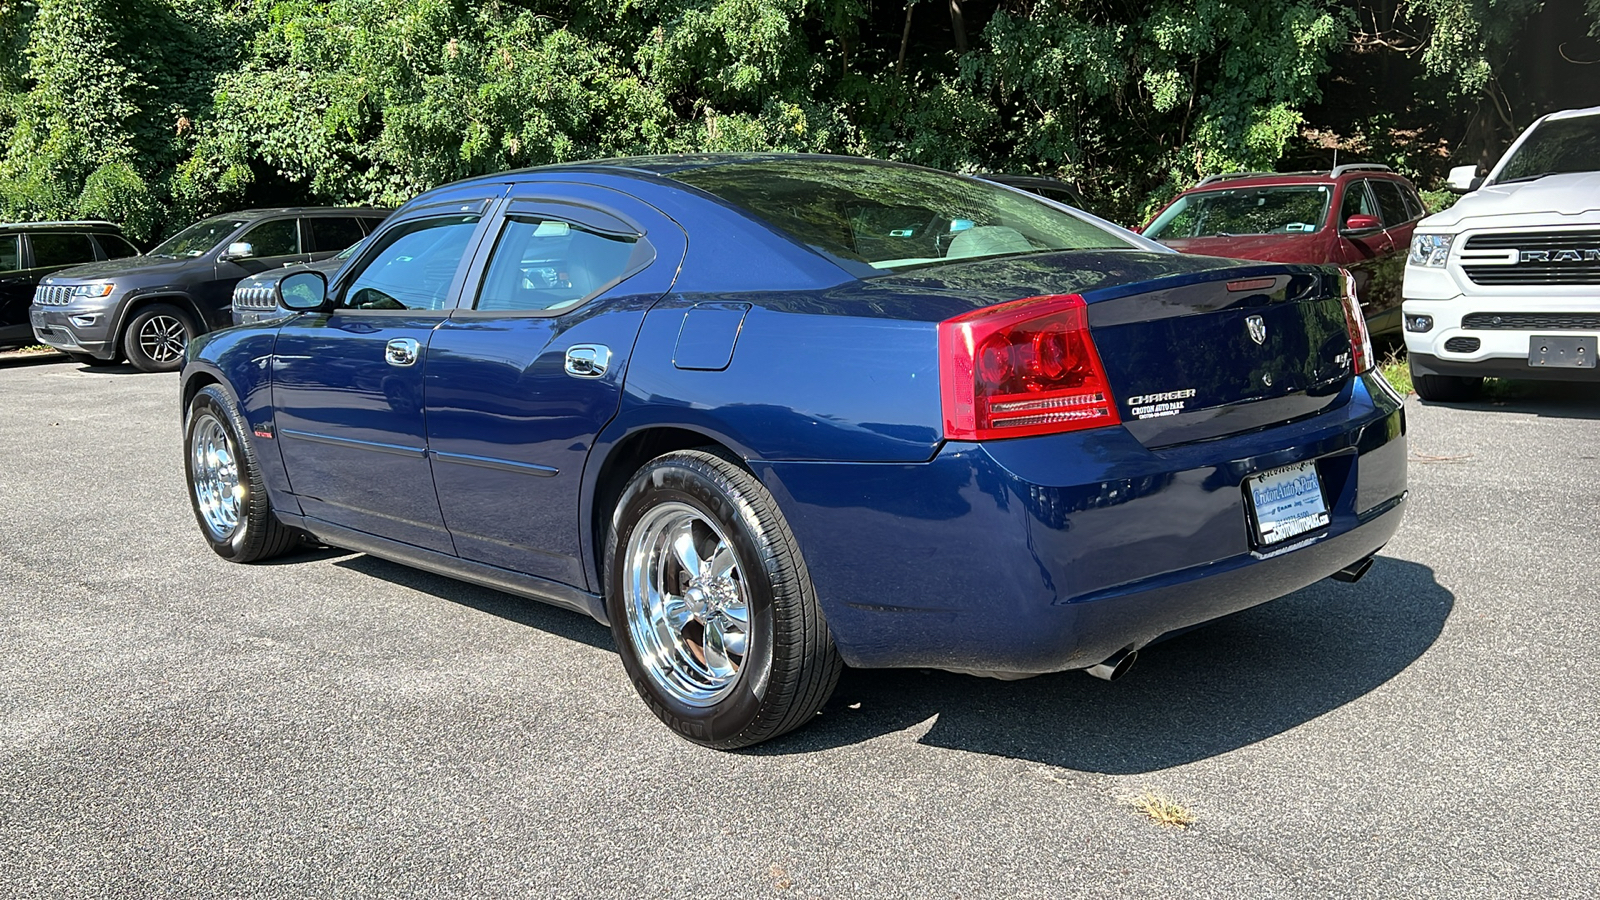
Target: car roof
pixel 1283 179
pixel 667 165
pixel 266 213
pixel 94 225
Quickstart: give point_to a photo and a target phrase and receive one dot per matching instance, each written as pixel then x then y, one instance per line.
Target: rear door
pixel 348 384
pixel 527 371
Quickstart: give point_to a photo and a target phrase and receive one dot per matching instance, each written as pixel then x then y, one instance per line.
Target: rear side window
pixel 548 265
pixel 280 237
pixel 413 266
pixel 61 250
pixel 1357 202
pixel 10 253
pixel 116 246
pixel 334 233
pixel 1391 201
pixel 371 223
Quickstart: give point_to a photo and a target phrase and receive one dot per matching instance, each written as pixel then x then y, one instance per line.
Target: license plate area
pixel 1285 503
pixel 1562 351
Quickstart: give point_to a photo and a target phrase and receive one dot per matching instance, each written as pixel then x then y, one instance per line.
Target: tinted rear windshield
pixel 877 218
pixel 1556 147
pixel 1237 211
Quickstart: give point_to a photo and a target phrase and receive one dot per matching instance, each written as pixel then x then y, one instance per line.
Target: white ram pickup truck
pixel 1506 283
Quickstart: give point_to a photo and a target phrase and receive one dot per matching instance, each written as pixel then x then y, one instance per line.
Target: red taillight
pixel 1361 356
pixel 1021 368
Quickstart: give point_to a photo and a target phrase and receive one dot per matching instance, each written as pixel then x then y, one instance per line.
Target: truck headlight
pixel 1430 250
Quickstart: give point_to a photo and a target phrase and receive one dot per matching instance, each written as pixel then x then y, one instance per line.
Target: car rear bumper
pixel 1043 554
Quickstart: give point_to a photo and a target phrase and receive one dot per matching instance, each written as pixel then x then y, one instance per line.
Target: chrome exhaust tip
pixel 1352 573
pixel 1115 666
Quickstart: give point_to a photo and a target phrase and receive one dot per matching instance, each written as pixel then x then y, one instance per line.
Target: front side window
pixel 873 218
pixel 414 265
pixel 1391 202
pixel 1556 147
pixel 62 250
pixel 1231 212
pixel 280 237
pixel 197 238
pixel 10 253
pixel 549 265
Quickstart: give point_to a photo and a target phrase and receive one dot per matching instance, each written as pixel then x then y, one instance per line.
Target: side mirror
pixel 303 292
pixel 1359 223
pixel 1463 179
pixel 239 250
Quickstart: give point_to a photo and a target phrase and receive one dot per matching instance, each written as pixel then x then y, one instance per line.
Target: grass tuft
pixel 1397 372
pixel 1162 810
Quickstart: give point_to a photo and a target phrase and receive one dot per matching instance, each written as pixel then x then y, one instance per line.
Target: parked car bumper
pixel 74 331
pixel 1043 554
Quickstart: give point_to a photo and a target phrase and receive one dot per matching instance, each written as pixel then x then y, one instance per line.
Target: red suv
pixel 1356 216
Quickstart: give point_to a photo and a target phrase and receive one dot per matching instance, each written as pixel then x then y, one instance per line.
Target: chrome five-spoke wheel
pixel 214 477
pixel 687 603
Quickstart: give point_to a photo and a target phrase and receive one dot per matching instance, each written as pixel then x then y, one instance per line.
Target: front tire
pixel 711 605
pixel 157 336
pixel 1445 388
pixel 225 490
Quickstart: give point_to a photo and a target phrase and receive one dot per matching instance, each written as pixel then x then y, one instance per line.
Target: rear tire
pixel 711 605
pixel 1445 388
pixel 225 489
pixel 157 337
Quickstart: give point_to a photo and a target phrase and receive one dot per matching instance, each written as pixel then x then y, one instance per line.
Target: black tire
pixel 157 336
pixel 256 533
pixel 790 666
pixel 1445 388
pixel 93 362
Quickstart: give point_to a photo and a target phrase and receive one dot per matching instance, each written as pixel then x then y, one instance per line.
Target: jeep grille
pixel 53 294
pixel 255 298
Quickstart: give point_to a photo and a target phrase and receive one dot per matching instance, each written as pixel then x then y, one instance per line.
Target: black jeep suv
pixel 31 250
pixel 147 308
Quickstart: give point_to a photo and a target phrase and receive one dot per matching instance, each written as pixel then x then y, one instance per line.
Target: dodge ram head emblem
pixel 1258 329
pixel 1539 256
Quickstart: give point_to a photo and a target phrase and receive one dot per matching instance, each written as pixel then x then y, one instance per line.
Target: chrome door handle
pixel 400 352
pixel 588 360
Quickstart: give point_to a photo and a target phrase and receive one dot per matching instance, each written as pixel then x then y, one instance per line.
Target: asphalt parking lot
pixel 172 725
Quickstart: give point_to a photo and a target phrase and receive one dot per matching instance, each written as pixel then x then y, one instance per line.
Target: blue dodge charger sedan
pixel 767 415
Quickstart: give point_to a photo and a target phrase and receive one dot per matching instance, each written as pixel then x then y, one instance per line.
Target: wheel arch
pixel 132 307
pixel 622 458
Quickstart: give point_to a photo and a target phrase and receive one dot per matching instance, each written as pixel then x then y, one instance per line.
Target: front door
pixel 1363 252
pixel 348 384
pixel 16 292
pixel 529 369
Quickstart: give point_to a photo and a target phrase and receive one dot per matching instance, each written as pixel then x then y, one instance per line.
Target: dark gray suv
pixel 147 308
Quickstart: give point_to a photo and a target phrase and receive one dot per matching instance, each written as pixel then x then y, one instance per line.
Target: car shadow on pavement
pixel 1230 684
pixel 1546 399
pixel 562 623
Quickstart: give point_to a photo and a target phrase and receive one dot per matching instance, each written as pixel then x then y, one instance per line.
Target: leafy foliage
pixel 155 112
